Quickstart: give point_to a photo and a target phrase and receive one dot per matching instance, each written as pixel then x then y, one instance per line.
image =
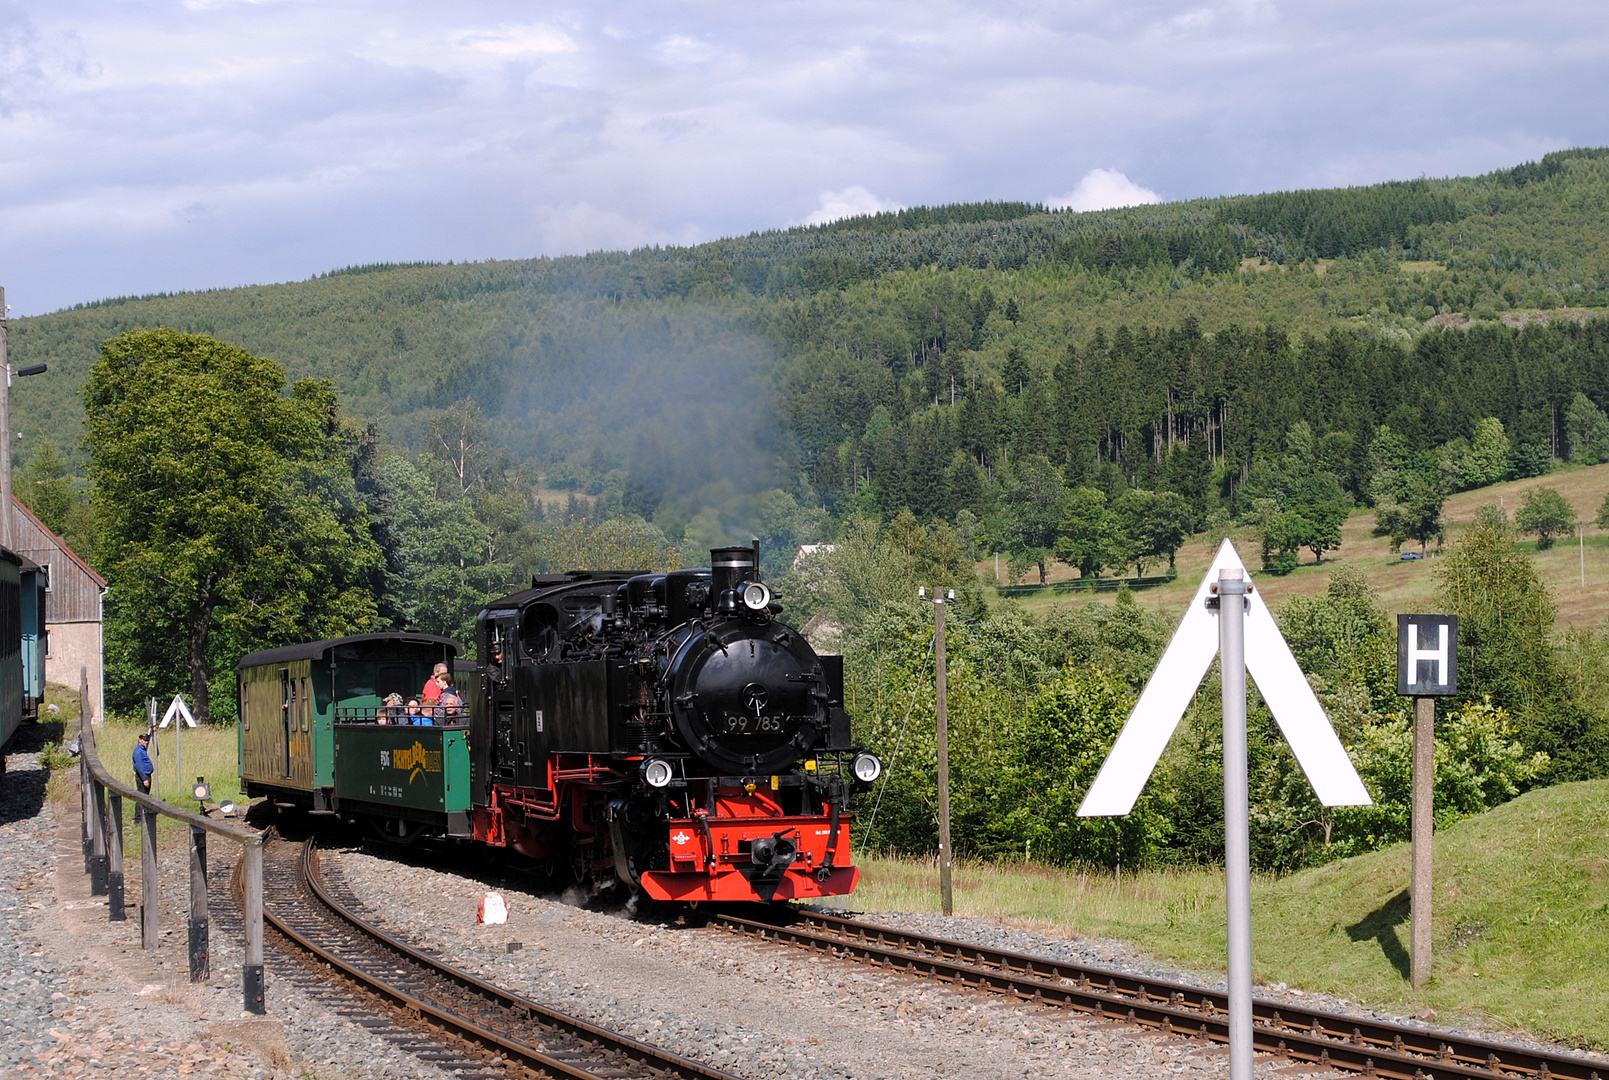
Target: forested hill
pixel 908 359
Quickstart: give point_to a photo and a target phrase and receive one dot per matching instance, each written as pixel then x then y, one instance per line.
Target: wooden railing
pixel 103 797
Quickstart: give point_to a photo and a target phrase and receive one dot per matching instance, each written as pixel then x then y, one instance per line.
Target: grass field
pixel 1521 916
pixel 205 751
pixel 1405 586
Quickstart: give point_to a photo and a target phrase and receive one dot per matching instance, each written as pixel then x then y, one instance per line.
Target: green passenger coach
pixel 293 698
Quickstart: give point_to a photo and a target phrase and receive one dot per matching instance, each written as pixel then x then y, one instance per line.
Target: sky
pixel 163 145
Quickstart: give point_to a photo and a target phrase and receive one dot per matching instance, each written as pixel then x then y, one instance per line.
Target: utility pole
pixel 7 515
pixel 941 597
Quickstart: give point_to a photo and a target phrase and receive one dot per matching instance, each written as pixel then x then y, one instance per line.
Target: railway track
pixel 456 1020
pixel 1322 1039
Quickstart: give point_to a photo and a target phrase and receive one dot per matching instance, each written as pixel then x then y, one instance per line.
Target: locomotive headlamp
pixel 866 767
pixel 656 772
pixel 756 596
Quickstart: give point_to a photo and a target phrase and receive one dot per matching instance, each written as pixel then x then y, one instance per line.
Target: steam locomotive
pixel 668 731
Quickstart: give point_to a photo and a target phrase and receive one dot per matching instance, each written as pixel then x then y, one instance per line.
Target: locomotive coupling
pixel 773 854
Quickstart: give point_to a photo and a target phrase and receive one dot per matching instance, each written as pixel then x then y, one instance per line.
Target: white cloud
pixel 152 145
pixel 1104 189
pixel 850 202
pixel 578 229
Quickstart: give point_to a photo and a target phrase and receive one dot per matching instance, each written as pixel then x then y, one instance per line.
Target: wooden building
pixel 72 606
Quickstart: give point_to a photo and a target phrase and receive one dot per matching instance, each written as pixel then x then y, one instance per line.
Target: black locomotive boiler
pixel 667 729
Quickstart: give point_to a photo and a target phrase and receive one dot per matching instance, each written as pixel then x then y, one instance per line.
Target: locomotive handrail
pixel 103 860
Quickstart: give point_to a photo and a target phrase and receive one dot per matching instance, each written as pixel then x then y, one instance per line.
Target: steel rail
pixel 617 1053
pixel 1324 1039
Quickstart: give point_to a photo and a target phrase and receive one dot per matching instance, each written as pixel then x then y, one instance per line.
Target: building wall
pixel 72 606
pixel 75 589
pixel 73 646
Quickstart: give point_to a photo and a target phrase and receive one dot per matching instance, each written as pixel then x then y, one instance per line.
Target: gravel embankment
pixel 1125 959
pixel 80 997
pixel 28 978
pixel 760 1011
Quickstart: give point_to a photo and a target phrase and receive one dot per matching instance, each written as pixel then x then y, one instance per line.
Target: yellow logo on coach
pixel 416 759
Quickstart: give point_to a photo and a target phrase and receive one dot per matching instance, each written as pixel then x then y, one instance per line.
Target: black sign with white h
pixel 1427 655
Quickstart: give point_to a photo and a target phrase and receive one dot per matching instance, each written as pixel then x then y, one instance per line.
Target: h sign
pixel 1427 655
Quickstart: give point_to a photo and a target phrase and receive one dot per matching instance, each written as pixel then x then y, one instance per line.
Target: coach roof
pixel 317 650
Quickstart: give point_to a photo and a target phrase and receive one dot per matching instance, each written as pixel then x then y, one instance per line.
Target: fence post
pixel 252 970
pixel 114 854
pixel 97 838
pixel 150 886
pixel 88 811
pixel 200 960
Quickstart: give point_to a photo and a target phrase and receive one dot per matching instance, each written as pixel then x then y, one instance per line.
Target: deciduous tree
pixel 1545 513
pixel 229 515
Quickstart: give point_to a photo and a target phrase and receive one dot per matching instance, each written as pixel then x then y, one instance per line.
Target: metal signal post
pixel 942 743
pixel 1245 639
pixel 1230 601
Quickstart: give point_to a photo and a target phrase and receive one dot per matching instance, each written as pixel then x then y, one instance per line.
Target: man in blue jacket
pixel 143 768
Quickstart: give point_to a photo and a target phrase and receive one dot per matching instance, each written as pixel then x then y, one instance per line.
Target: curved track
pixel 1323 1039
pixel 468 1024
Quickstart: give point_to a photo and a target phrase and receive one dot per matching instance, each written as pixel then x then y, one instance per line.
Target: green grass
pixel 208 751
pixel 1521 916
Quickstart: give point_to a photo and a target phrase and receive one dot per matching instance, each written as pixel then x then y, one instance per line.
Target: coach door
pixel 287 715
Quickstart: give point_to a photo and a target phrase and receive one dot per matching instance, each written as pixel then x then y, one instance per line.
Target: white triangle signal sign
pixel 181 710
pixel 1183 665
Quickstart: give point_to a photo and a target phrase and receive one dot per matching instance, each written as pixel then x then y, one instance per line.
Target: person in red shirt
pixel 433 685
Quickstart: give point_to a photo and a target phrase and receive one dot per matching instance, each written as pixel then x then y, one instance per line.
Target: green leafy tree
pixel 1285 534
pixel 229 514
pixel 1546 514
pixel 1602 520
pixel 1505 613
pixel 1392 465
pixel 46 487
pixel 1030 511
pixel 1068 730
pixel 1154 524
pixel 1089 535
pixel 1416 517
pixel 443 573
pixel 1487 459
pixel 1324 522
pixel 1586 430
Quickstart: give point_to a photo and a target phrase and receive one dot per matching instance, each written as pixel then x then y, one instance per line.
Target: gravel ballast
pixel 754 1009
pixel 80 997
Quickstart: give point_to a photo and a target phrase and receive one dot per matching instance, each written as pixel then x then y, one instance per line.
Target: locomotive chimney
pixel 730 568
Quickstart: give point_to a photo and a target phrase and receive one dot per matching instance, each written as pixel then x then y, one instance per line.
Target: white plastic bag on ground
pixel 491 910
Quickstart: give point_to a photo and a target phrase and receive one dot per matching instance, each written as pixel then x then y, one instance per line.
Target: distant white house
pixel 811 549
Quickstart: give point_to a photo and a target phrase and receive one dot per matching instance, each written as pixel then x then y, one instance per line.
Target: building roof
pixel 58 542
pixel 314 650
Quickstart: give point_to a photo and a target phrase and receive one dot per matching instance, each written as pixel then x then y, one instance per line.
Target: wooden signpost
pixel 1427 668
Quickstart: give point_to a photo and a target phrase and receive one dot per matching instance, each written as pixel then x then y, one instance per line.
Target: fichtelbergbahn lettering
pixel 668 731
